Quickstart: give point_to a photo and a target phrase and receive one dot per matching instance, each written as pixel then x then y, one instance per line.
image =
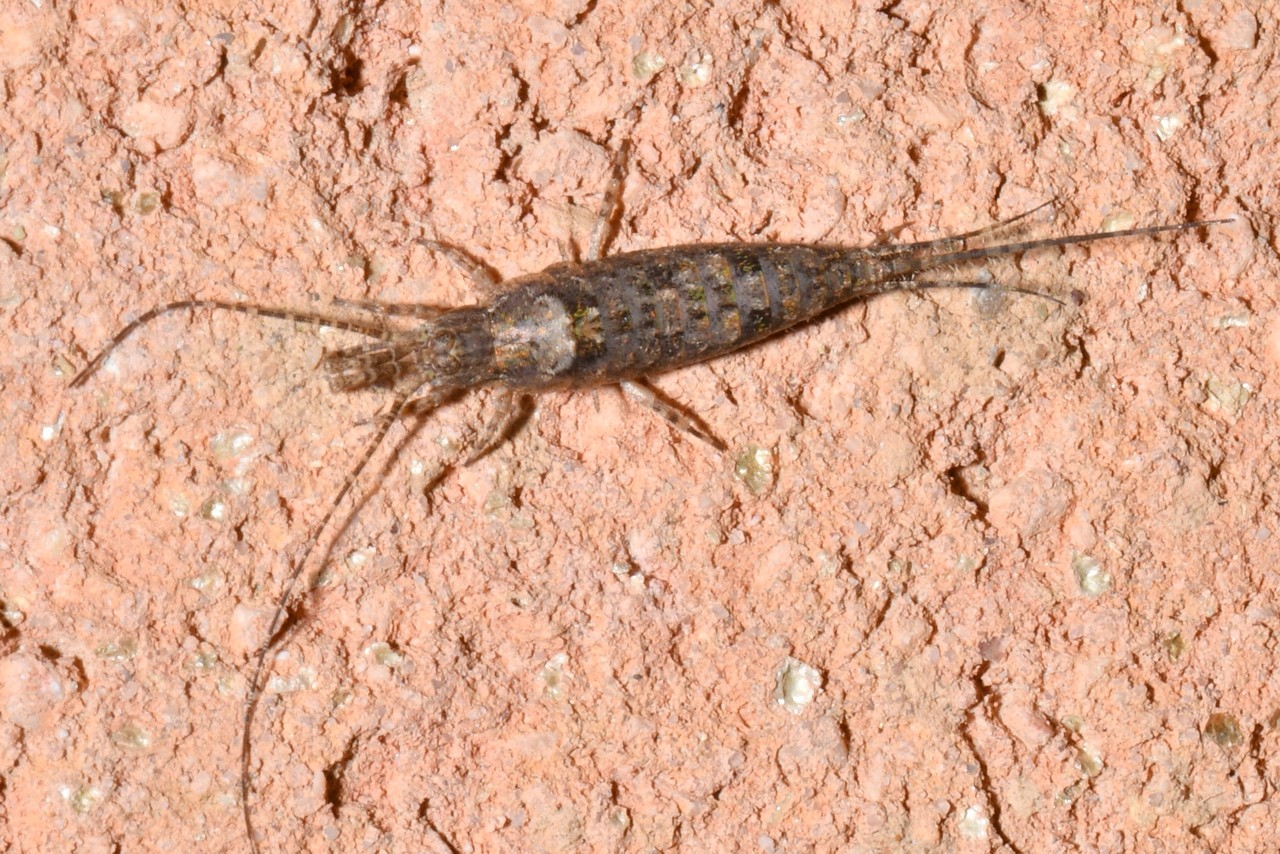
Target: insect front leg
pixel 511 407
pixel 484 277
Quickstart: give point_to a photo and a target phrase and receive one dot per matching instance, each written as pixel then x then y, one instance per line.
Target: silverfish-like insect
pixel 601 321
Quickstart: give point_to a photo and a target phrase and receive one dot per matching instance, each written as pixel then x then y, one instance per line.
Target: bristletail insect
pixel 601 321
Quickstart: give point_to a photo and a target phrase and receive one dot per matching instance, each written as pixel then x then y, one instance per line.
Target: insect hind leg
pixel 645 395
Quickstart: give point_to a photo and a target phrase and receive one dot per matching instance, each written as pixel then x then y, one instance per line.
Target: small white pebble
pixel 974 824
pixel 1092 578
pixel 797 685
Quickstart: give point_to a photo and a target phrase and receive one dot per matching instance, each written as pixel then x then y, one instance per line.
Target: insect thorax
pixel 540 339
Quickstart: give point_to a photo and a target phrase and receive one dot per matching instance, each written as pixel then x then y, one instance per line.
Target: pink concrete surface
pixel 1029 553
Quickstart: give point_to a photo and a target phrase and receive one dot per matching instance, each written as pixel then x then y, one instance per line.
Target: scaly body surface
pixel 636 314
pixel 617 318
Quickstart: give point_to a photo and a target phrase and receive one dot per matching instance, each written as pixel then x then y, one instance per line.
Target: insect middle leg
pixel 609 205
pixel 639 391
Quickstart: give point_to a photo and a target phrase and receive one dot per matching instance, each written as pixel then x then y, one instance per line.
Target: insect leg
pixel 612 196
pixel 644 394
pixel 484 277
pixel 312 317
pixel 568 251
pixel 638 390
pixel 511 406
pixel 425 403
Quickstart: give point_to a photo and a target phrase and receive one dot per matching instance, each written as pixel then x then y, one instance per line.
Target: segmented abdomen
pixel 643 312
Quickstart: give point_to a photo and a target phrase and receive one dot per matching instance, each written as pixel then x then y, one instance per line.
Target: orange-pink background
pixel 585 629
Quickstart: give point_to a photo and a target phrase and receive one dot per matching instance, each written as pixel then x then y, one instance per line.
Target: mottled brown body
pixel 640 313
pixel 618 318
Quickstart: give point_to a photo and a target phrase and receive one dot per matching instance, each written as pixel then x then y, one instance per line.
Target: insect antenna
pixel 280 628
pixel 315 318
